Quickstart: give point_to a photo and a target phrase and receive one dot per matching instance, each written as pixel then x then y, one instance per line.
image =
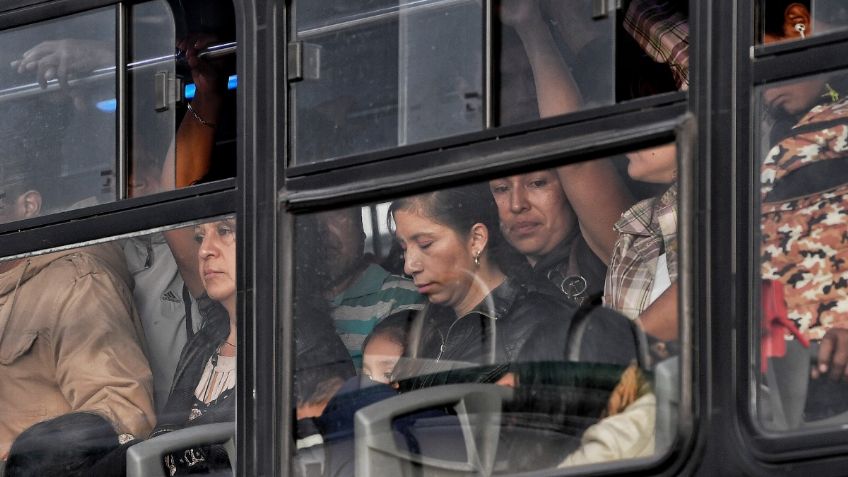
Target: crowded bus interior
pixel 327 238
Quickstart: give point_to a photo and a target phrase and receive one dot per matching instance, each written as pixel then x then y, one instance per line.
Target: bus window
pixel 469 311
pixel 379 74
pixel 132 343
pixel 803 195
pixel 55 139
pixel 59 97
pixel 792 20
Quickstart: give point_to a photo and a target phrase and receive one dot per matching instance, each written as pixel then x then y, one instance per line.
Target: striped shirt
pixel 646 231
pixel 376 295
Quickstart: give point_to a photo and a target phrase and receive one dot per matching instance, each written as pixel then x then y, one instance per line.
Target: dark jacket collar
pixel 558 255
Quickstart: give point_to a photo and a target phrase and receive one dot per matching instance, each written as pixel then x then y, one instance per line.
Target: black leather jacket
pixel 514 323
pixel 571 267
pixel 493 332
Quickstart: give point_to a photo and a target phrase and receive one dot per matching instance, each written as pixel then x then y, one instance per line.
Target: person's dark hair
pixel 459 208
pixel 395 328
pixel 67 445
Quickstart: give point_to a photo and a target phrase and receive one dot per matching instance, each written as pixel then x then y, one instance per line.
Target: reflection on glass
pixel 60 107
pixel 130 343
pixel 153 37
pixel 55 139
pixel 482 287
pixel 387 76
pixel 803 194
pixel 379 75
pixel 191 93
pixel 792 20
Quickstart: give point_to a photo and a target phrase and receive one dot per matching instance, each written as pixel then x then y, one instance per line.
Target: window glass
pixel 803 192
pixel 129 342
pixel 56 140
pixel 58 94
pixel 381 74
pixel 452 327
pixel 192 93
pixel 792 20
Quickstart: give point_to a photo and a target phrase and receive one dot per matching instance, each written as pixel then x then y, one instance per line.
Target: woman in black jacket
pixel 481 311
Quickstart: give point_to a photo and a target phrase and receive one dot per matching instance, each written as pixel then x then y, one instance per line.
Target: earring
pixel 477 258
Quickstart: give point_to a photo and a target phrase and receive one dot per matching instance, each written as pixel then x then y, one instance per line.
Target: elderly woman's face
pixel 217 254
pixel 439 260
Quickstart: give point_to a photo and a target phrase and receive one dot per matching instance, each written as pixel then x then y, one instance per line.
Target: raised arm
pixel 556 91
pixel 595 190
pixel 189 158
pixel 598 196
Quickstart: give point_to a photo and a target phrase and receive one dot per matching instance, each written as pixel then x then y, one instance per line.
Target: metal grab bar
pixel 30 89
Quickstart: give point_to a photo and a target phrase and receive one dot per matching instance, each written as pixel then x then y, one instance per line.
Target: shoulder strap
pixel 187 301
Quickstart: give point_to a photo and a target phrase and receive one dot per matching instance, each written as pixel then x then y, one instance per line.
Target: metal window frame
pixel 241 195
pixel 582 135
pixel 818 449
pixel 267 196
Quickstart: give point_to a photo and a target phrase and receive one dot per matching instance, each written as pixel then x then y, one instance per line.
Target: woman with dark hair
pixel 482 313
pixel 480 309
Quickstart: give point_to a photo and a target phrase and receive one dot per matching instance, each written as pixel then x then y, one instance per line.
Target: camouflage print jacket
pixel 804 219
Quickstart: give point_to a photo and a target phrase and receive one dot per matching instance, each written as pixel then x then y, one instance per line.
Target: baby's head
pixel 383 347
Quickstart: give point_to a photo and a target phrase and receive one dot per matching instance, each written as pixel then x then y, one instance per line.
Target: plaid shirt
pixel 663 33
pixel 646 231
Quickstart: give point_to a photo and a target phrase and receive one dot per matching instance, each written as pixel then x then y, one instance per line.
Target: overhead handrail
pixel 218 50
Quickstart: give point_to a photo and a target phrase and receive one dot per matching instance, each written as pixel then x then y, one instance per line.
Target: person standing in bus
pixel 606 220
pixel 556 218
pixel 78 348
pixel 163 265
pixel 804 192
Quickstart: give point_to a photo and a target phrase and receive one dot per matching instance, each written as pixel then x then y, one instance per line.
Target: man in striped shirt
pixel 362 293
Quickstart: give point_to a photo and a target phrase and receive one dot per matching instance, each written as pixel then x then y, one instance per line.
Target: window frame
pixel 266 195
pixel 242 196
pixel 759 66
pixel 585 134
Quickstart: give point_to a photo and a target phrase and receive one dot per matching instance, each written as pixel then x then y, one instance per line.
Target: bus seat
pixel 667 390
pixel 145 458
pixel 478 411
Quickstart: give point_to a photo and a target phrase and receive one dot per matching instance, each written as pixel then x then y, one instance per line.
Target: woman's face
pixel 534 213
pixel 656 165
pixel 439 260
pixel 217 254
